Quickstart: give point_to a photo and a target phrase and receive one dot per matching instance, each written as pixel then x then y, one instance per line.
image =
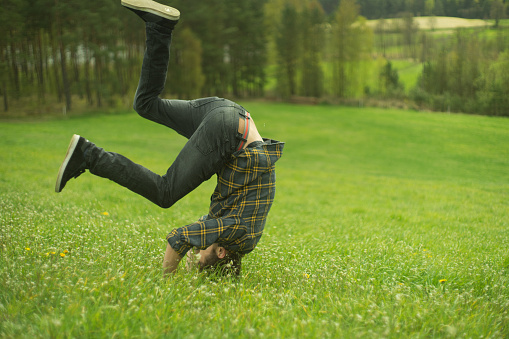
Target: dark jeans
pixel 210 124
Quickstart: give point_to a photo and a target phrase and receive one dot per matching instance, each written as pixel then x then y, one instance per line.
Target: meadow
pixel 386 224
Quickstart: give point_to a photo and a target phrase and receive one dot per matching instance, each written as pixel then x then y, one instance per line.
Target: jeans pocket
pixel 203 101
pixel 209 136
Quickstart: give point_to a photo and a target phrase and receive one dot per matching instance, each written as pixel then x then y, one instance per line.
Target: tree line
pixel 376 9
pixel 91 53
pixel 93 50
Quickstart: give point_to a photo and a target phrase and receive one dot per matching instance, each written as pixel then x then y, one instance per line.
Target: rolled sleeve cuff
pixel 175 240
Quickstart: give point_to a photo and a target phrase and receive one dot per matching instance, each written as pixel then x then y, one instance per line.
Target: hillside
pixel 434 22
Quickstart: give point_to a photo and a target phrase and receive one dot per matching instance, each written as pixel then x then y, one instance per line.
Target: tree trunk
pixel 98 80
pixel 88 91
pixel 15 68
pixel 65 79
pixel 39 66
pixel 3 75
pixel 25 50
pixel 55 68
pixel 75 65
pixel 4 92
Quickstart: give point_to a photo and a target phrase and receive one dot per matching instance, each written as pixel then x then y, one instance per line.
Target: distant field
pixel 408 72
pixel 436 22
pixel 386 224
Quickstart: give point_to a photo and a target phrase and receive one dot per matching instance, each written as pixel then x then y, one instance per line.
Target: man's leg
pixel 203 155
pixel 176 114
pixel 183 116
pixel 192 166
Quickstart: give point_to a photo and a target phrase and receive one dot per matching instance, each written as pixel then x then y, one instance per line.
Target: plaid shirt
pixel 239 205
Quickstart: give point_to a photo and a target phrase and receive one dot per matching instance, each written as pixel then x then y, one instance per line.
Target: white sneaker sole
pixel 153 7
pixel 70 150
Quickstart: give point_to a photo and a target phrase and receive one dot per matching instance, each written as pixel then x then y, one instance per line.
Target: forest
pixel 72 56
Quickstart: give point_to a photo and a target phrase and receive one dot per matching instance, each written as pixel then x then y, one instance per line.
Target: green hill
pixel 386 224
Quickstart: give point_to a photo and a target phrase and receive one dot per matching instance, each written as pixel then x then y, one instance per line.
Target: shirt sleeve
pixel 228 232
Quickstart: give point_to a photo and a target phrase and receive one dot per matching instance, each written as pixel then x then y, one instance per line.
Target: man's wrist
pixel 171 260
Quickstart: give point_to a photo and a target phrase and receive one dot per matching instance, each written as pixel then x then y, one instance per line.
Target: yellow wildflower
pixel 66 251
pixel 62 255
pixel 306 275
pixel 105 213
pixel 442 281
pixel 52 252
pixel 27 248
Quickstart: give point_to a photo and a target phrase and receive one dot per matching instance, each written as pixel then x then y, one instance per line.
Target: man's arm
pixel 171 260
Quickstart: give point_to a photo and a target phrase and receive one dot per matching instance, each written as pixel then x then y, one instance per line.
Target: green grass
pixel 408 72
pixel 374 209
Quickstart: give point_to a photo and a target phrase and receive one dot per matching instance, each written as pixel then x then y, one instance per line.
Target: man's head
pixel 216 259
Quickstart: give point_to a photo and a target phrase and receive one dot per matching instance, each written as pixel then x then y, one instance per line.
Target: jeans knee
pixel 164 199
pixel 139 106
pixel 144 106
pixel 165 204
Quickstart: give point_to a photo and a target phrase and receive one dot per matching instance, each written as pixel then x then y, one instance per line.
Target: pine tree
pixel 352 43
pixel 313 40
pixel 185 77
pixel 288 46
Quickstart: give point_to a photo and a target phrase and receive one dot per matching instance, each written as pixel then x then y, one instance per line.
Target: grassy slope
pixel 373 208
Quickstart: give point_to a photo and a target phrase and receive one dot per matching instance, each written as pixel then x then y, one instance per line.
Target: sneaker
pixel 74 163
pixel 151 11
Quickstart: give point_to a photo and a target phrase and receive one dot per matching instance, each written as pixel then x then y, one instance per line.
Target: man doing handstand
pixel 222 140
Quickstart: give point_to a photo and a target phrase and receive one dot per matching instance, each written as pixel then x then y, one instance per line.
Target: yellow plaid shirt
pixel 239 205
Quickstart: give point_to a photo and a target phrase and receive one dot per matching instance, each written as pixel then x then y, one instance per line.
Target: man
pixel 222 139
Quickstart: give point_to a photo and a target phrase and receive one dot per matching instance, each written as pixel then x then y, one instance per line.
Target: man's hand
pixel 171 260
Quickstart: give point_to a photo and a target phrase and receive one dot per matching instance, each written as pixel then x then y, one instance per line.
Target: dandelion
pixel 62 255
pixel 306 275
pixel 52 252
pixel 27 248
pixel 66 251
pixel 442 281
pixel 105 213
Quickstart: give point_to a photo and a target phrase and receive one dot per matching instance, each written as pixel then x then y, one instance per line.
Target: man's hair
pixel 229 265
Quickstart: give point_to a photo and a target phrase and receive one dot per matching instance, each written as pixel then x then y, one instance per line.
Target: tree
pixel 312 42
pixel 438 9
pixel 497 11
pixel 62 25
pixel 246 56
pixel 329 6
pixel 409 30
pixel 186 75
pixel 288 48
pixel 435 74
pixel 212 31
pixel 352 43
pixel 12 24
pixel 429 5
pixel 494 83
pixel 389 79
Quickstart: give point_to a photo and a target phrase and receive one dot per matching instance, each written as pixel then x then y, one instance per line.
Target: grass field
pixel 386 223
pixel 434 22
